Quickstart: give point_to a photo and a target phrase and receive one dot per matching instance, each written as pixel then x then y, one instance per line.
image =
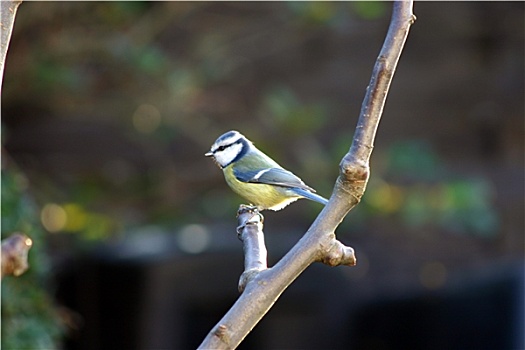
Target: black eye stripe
pixel 223 147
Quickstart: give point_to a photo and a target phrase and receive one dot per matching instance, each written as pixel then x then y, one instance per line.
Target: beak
pixel 208 154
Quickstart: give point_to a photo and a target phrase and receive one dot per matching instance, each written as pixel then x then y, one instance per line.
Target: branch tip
pixel 243 209
pixel 250 232
pixel 338 254
pixel 248 216
pixel 15 249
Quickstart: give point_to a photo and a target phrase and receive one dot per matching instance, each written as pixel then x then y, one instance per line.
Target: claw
pixel 244 208
pixel 255 212
pixel 239 230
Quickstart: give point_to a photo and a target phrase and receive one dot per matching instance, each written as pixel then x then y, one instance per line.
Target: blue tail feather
pixel 310 195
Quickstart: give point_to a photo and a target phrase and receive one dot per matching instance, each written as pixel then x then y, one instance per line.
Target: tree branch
pixel 14 254
pixel 319 243
pixel 251 234
pixel 7 19
pixel 16 246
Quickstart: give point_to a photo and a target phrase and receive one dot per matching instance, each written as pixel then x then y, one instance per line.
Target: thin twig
pixel 251 234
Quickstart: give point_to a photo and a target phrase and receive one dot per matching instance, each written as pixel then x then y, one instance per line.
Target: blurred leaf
pixel 413 159
pixel 384 197
pixel 468 207
pixel 421 192
pixel 370 9
pixel 150 60
pixel 121 12
pixel 52 74
pixel 314 12
pixel 290 114
pixel 415 211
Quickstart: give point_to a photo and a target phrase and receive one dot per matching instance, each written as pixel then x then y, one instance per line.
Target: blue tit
pixel 255 176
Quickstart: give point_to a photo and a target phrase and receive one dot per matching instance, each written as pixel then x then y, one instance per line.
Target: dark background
pixel 108 108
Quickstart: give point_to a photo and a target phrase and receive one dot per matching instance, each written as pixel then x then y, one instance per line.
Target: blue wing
pixel 272 176
pixel 282 178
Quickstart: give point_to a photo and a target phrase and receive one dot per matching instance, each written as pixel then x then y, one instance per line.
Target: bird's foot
pixel 243 208
pixel 254 210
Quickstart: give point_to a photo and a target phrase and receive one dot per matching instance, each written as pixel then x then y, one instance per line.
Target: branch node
pixel 355 169
pixel 246 277
pixel 353 178
pixel 221 331
pixel 338 254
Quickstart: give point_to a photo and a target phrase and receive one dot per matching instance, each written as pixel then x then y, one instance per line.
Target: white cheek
pixel 226 156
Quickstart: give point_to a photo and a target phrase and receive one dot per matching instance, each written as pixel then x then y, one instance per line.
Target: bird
pixel 255 176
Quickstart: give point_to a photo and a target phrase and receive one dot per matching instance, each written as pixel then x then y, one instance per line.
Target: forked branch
pixel 263 286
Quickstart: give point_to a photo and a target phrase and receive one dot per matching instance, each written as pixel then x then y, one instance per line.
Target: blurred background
pixel 109 107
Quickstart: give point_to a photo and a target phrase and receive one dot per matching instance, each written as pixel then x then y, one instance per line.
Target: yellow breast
pixel 263 196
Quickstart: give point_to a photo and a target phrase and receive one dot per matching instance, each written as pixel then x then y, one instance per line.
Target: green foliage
pixel 329 13
pixel 49 73
pixel 287 113
pixel 466 205
pixel 166 88
pixel 29 317
pixel 314 12
pixel 370 9
pixel 413 159
pixel 417 188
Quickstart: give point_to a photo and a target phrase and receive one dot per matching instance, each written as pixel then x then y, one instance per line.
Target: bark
pixel 7 20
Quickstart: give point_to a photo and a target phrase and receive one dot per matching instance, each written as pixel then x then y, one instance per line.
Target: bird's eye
pixel 221 148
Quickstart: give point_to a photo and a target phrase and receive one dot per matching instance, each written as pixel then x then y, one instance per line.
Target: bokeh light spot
pixel 76 217
pixel 194 238
pixel 146 118
pixel 53 217
pixel 385 198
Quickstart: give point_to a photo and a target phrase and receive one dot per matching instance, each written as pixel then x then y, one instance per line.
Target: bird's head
pixel 229 148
